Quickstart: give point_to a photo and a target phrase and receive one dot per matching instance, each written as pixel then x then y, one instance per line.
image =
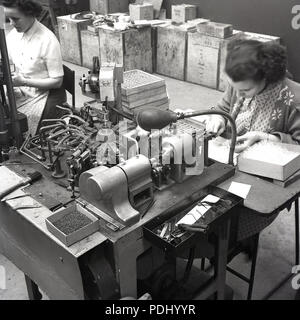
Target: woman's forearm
pixel 268 137
pixel 44 84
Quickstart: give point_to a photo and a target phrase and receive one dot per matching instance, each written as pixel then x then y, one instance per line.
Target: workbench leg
pixel 32 289
pixel 297 230
pixel 127 250
pixel 221 259
pixel 253 266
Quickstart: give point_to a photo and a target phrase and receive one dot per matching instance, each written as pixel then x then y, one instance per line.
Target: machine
pixel 135 175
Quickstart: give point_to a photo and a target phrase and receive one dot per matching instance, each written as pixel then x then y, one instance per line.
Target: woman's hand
pixel 216 124
pixel 249 138
pixel 18 80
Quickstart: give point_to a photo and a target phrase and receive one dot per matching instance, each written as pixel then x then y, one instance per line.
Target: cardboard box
pixel 90 47
pixel 70 37
pixel 109 6
pixel 157 4
pixel 79 233
pixel 141 12
pixel 130 48
pixel 272 160
pixel 215 29
pixel 183 12
pixel 171 51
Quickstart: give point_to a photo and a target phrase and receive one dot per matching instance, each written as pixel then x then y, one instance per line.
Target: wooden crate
pixel 109 6
pixel 154 41
pixel 203 59
pixel 272 160
pixel 171 51
pixel 206 59
pixel 130 48
pixel 90 47
pixel 183 12
pixel 237 34
pixel 141 12
pixel 70 37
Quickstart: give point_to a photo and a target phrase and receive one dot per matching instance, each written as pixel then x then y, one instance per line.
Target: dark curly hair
pixel 27 7
pixel 255 60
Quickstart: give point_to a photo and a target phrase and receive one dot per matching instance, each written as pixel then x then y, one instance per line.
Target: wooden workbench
pixel 60 271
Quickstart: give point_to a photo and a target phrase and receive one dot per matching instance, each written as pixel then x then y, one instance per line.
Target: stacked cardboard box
pixel 183 12
pixel 215 29
pixel 109 6
pixel 141 12
pixel 141 90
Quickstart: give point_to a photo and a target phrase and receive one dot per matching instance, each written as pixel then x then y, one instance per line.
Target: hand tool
pixel 31 177
pixel 16 197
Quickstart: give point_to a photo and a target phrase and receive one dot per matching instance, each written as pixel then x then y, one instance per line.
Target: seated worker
pixel 264 103
pixel 35 52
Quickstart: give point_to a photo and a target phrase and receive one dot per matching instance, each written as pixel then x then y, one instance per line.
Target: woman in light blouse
pixel 35 52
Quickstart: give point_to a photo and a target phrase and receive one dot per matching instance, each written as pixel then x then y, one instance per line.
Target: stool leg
pixel 32 289
pixel 202 264
pixel 297 230
pixel 253 266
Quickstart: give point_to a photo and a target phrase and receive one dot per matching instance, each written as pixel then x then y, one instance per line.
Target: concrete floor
pixel 276 253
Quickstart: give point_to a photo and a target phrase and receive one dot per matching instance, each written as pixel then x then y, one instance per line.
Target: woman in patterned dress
pixel 264 103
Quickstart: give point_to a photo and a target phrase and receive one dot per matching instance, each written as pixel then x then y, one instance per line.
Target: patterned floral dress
pixel 276 111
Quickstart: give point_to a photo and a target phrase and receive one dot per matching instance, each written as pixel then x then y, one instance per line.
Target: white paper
pixel 198 211
pixel 240 189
